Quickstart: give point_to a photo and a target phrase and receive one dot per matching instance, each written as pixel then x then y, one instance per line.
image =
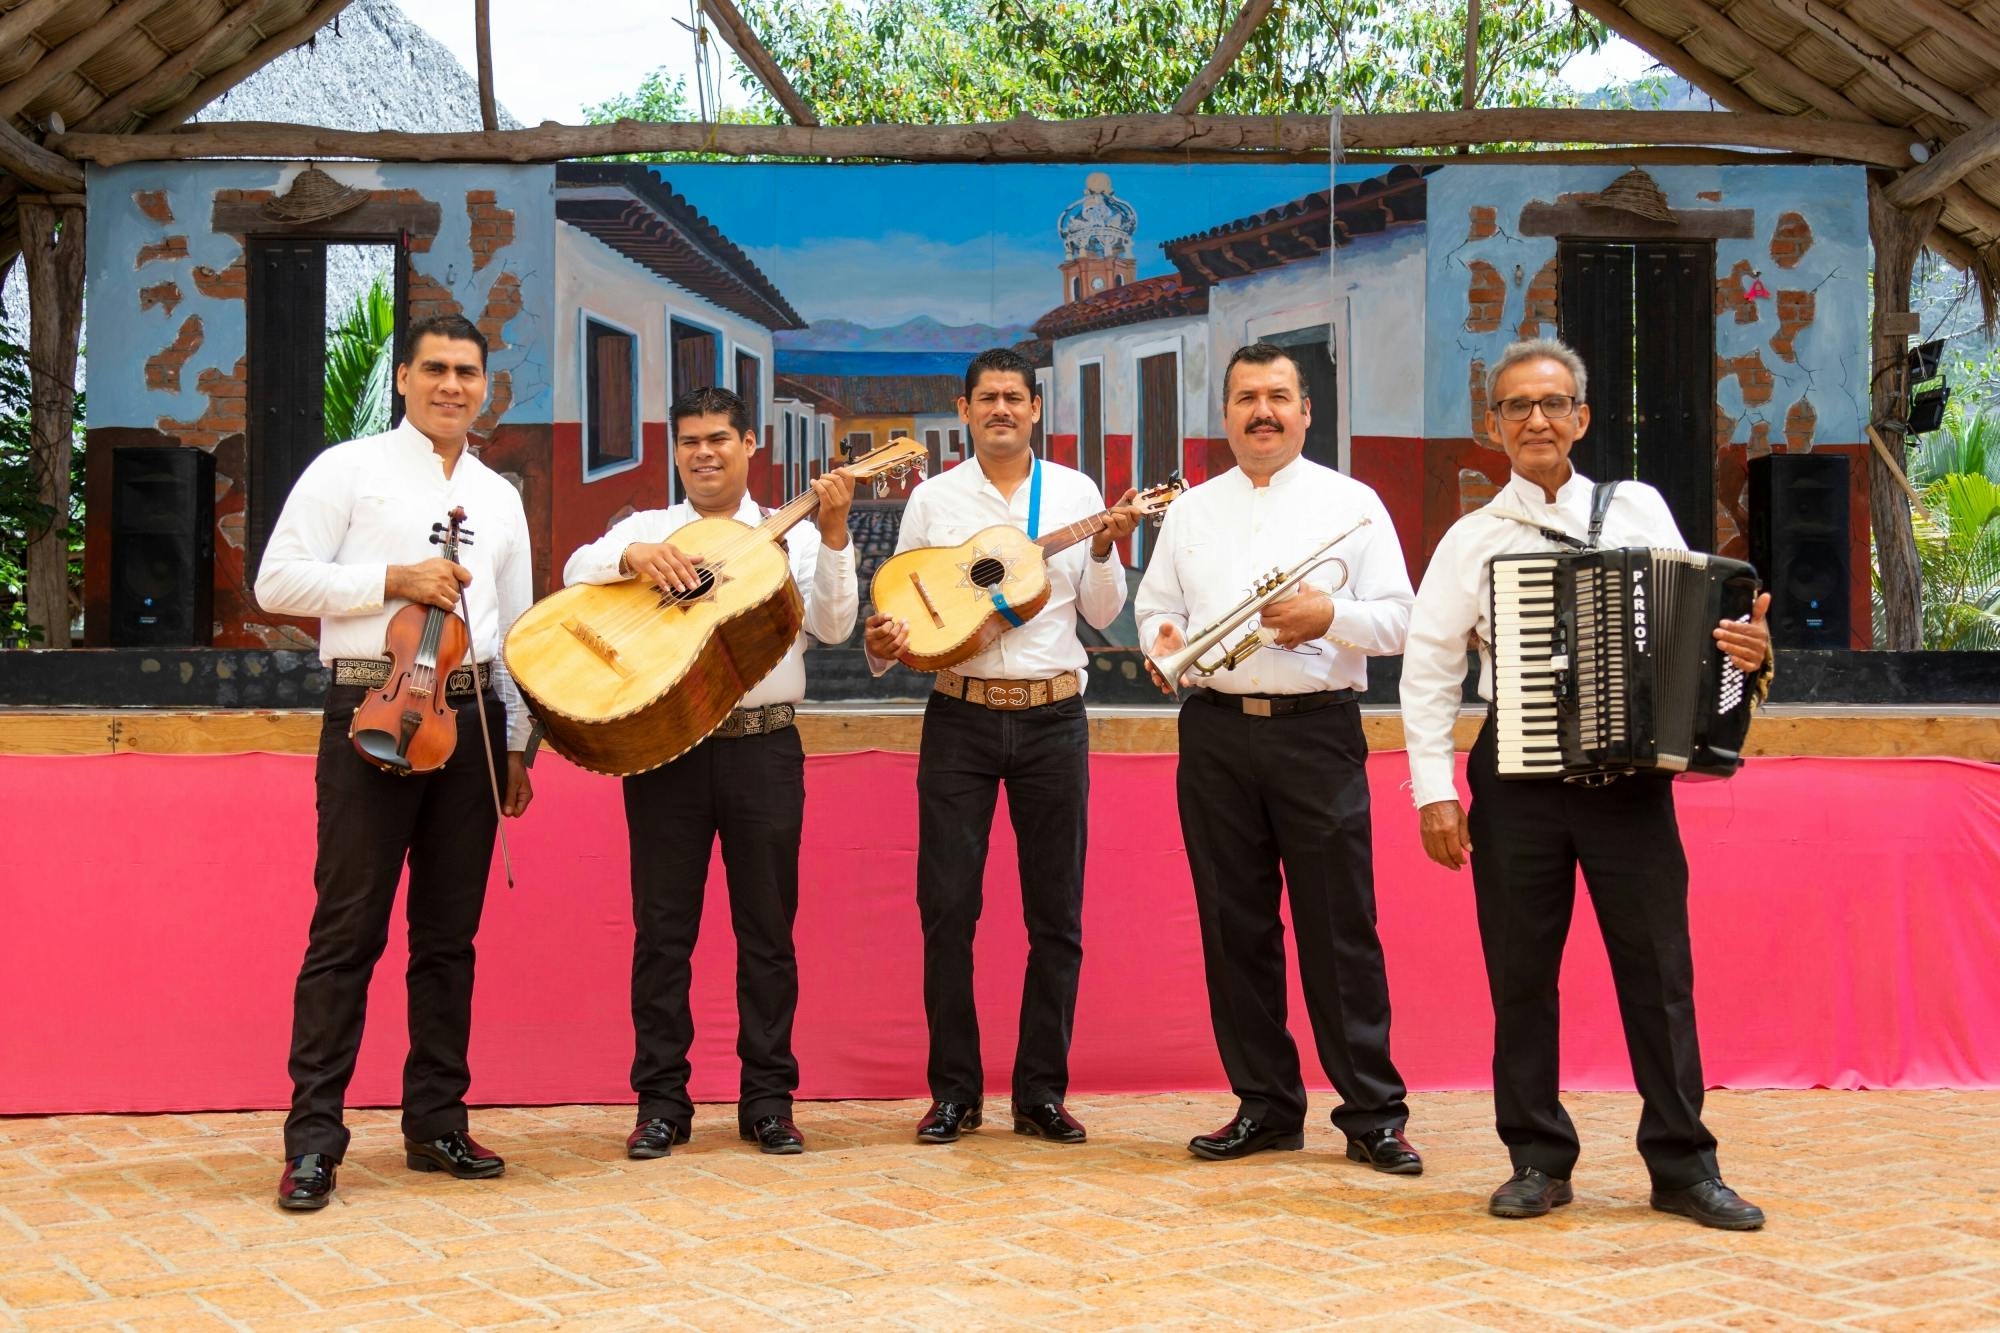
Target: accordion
pixel 1605 663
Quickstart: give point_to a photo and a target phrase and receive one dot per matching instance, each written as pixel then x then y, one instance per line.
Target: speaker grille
pixel 162 547
pixel 1800 545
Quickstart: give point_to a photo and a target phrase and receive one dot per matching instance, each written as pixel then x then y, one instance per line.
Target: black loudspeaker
pixel 162 547
pixel 1799 544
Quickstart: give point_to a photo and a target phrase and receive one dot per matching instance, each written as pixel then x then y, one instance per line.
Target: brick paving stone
pixel 167 1222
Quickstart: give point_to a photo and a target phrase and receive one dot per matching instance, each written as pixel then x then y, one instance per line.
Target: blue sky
pixel 961 243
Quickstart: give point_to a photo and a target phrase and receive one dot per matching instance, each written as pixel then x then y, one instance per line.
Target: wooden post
pixel 1471 54
pixel 1897 234
pixel 1231 46
pixel 482 38
pixel 52 243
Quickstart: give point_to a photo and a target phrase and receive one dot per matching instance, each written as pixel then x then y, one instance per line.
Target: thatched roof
pixel 133 65
pixel 1932 66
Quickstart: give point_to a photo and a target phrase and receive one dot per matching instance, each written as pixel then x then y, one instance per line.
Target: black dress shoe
pixel 945 1121
pixel 456 1153
pixel 1048 1120
pixel 307 1184
pixel 1243 1136
pixel 1711 1203
pixel 654 1138
pixel 1529 1193
pixel 776 1134
pixel 1386 1150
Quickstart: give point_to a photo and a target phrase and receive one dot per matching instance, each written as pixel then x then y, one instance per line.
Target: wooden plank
pixel 35 164
pixel 113 113
pixel 1958 159
pixel 1020 139
pixel 1768 64
pixel 1670 53
pixel 215 85
pixel 16 96
pixel 482 37
pixel 273 731
pixel 1971 733
pixel 1231 46
pixel 1880 62
pixel 18 24
pixel 742 39
pixel 56 733
pixel 1956 27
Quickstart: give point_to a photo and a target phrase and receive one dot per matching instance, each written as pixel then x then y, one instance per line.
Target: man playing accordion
pixel 1526 839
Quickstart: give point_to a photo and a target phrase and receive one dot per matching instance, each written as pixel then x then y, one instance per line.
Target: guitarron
pixel 625 677
pixel 958 599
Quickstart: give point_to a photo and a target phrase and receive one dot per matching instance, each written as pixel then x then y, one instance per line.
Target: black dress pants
pixel 1528 838
pixel 1043 755
pixel 1258 794
pixel 370 823
pixel 751 792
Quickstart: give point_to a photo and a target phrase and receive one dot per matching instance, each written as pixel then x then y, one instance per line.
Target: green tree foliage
pixel 23 517
pixel 946 61
pixel 361 366
pixel 1956 471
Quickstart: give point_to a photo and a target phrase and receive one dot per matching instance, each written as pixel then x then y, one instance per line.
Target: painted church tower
pixel 1096 234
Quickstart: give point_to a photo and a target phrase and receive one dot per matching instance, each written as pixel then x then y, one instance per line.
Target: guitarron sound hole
pixel 987 572
pixel 703 587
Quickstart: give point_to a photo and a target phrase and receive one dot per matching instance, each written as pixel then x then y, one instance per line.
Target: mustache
pixel 1272 422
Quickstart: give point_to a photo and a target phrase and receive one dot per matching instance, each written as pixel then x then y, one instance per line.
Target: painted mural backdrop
pixel 844 303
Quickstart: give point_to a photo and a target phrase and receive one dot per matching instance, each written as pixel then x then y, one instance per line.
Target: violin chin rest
pixel 383 748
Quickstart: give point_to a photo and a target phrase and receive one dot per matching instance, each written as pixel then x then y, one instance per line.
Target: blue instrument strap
pixel 1034 523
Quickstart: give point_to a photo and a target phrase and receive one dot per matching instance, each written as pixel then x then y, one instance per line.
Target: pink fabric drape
pixel 1846 915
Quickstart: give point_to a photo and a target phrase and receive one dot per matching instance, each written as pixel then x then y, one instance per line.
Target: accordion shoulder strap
pixel 1600 505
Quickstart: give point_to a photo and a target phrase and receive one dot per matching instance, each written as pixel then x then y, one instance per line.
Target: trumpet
pixel 1187 660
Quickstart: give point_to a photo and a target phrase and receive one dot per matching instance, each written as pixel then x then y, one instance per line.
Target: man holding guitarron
pixel 1012 713
pixel 745 783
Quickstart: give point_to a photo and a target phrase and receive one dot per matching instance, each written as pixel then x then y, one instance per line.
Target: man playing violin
pixel 351 547
pixel 1012 714
pixel 744 784
pixel 1272 772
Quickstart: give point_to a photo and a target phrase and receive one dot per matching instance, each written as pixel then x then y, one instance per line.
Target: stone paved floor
pixel 1885 1207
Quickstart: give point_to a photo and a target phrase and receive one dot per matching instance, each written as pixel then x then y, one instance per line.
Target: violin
pixel 406 726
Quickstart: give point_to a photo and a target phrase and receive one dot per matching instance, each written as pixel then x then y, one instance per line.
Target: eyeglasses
pixel 1555 407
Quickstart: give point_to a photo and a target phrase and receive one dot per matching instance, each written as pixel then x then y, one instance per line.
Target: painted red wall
pixel 579 512
pixel 1392 466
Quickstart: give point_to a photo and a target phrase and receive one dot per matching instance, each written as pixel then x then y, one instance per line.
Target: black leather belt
pixel 372 673
pixel 1278 705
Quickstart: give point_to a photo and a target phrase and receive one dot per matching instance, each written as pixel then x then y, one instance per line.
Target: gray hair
pixel 1538 349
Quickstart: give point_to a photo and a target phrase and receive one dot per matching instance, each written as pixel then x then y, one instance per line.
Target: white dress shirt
pixel 952 506
pixel 369 503
pixel 825 578
pixel 1221 536
pixel 1452 605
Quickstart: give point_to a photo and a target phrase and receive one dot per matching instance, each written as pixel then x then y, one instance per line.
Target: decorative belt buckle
pixel 1006 696
pixel 1256 707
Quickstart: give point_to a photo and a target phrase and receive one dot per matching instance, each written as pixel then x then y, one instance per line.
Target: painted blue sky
pixel 964 244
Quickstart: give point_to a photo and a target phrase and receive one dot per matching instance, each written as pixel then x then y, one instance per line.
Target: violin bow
pixel 486 744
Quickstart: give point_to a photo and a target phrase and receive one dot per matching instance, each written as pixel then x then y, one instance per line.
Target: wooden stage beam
pixel 1970 733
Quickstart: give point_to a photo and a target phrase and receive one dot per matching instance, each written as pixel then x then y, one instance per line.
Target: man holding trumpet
pixel 1272 782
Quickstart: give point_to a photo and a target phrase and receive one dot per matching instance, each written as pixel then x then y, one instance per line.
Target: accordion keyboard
pixel 1528 666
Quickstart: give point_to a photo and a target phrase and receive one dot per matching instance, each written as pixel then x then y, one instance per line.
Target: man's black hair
pixel 1262 354
pixel 455 327
pixel 710 402
pixel 1004 360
